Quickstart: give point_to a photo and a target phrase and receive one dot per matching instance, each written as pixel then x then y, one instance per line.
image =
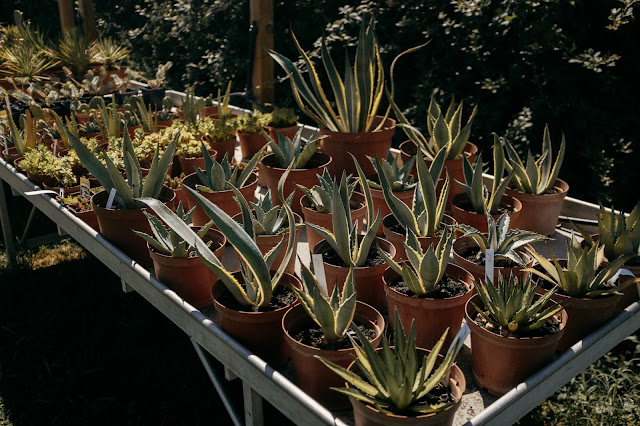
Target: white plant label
pixel 85 187
pixel 112 195
pixel 318 270
pixel 40 192
pixel 488 264
pixel 55 147
pixel 61 193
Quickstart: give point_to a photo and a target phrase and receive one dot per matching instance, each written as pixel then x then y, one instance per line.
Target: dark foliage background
pixel 526 63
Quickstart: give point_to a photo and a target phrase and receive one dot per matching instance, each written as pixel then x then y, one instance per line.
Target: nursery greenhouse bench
pixel 261 381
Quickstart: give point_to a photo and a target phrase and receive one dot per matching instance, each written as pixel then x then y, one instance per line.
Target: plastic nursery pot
pixel 311 375
pixel 360 144
pixel 540 212
pixel 260 332
pixel 289 132
pixel 250 144
pixel 462 245
pixel 210 111
pixel 223 199
pixel 225 147
pixel 368 279
pixel 117 225
pixel 267 242
pixel 270 174
pixel 389 223
pixel 379 202
pixel 460 204
pixel 366 415
pixel 358 212
pixel 432 316
pixel 189 277
pixel 10 155
pixel 87 216
pixel 500 363
pixel 188 164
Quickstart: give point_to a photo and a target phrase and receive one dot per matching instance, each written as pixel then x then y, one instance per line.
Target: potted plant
pixel 514 332
pixel 344 248
pixel 537 186
pixel 469 251
pixel 427 289
pixel 251 132
pixel 109 53
pixel 155 90
pixel 41 167
pixel 307 164
pixel 583 287
pixel 176 263
pixel 220 135
pixel 318 327
pixel 75 52
pixel 189 153
pixel 81 207
pixel 398 385
pixel 283 121
pixel 470 207
pixel 16 143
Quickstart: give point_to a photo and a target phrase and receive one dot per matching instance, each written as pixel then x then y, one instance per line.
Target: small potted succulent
pixel 16 143
pixel 251 132
pixel 44 168
pixel 155 90
pixel 283 121
pixel 109 54
pixel 81 207
pixel 220 135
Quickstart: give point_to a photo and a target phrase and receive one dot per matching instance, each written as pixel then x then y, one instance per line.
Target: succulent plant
pixel 26 140
pixel 252 124
pixel 265 218
pixel 190 107
pixel 75 51
pixel 41 161
pixel 221 176
pixel 109 52
pixel 321 196
pixel 287 151
pixel 399 178
pixel 282 117
pixel 222 130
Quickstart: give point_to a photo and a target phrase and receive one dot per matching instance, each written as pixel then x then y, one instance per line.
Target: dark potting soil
pixel 438 395
pixel 332 258
pixel 281 298
pixel 549 328
pixel 447 287
pixel 465 204
pixel 314 337
pixel 475 255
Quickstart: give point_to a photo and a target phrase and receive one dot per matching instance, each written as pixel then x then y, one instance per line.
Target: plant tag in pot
pixel 55 147
pixel 488 264
pixel 455 347
pixel 112 195
pixel 85 187
pixel 318 270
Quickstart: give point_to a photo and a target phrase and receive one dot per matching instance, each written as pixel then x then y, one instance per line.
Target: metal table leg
pixel 6 228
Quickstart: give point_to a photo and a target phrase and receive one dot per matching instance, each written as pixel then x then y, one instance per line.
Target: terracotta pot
pixel 189 277
pixel 369 282
pixel 187 164
pixel 82 117
pixel 210 111
pixel 10 155
pixel 87 216
pixel 396 239
pixel 432 316
pixel 289 132
pixel 462 244
pixel 250 144
pixel 51 185
pixel 222 148
pixel 181 195
pixel 540 212
pixel 500 363
pixel 358 212
pixel 267 242
pixel 223 199
pixel 311 375
pixel 366 415
pixel 117 226
pixel 270 174
pixel 260 332
pixel 360 144
pixel 379 202
pixel 629 294
pixel 478 220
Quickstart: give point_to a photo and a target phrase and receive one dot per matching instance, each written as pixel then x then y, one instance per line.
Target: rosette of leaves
pixel 109 52
pixel 399 178
pixel 322 196
pixel 221 176
pixel 265 218
pixel 75 52
pixel 287 151
pixel 190 106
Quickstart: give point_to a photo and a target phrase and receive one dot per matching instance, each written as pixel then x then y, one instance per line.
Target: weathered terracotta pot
pixel 369 282
pixel 250 144
pixel 311 375
pixel 209 111
pixel 189 277
pixel 360 144
pixel 223 199
pixel 462 244
pixel 478 220
pixel 222 148
pixel 432 316
pixel 10 155
pixel 500 363
pixel 396 239
pixel 358 212
pixel 540 212
pixel 379 202
pixel 289 132
pixel 117 226
pixel 187 164
pixel 87 216
pixel 260 332
pixel 270 174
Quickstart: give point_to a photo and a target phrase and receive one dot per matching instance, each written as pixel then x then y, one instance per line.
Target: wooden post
pixel 67 21
pixel 88 18
pixel 261 11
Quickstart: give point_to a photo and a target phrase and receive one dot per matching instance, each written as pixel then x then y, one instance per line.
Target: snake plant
pixel 583 276
pixel 286 150
pixel 221 176
pixel 167 241
pixel 503 241
pixel 352 248
pixel 424 216
pixel 394 381
pixel 265 218
pixel 127 191
pixel 356 96
pixel 399 178
pixel 536 176
pixel 321 196
pixel 257 284
pixel 512 306
pixel 333 314
pixel 481 199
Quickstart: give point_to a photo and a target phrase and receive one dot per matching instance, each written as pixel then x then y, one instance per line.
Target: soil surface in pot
pixel 353 204
pixel 281 298
pixel 549 328
pixel 447 287
pixel 313 163
pixel 332 258
pixel 314 337
pixel 399 229
pixel 466 205
pixel 475 255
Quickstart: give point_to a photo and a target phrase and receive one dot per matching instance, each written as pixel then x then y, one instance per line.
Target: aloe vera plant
pixel 536 176
pixel 513 306
pixel 333 314
pixel 394 380
pixel 425 215
pixel 221 176
pixel 23 141
pixel 257 284
pixel 287 150
pixel 399 178
pixel 322 197
pixel 481 199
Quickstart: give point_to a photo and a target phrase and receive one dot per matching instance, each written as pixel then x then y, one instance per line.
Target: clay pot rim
pixel 389 125
pixel 218 234
pixel 238 218
pixel 529 260
pixel 281 169
pixel 212 152
pixel 164 199
pixel 253 179
pixel 390 217
pixel 559 183
pixel 359 268
pixel 469 285
pixel 358 194
pixel 469 149
pixel 514 204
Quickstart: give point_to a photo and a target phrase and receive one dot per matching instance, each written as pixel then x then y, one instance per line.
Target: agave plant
pixel 333 314
pixel 399 178
pixel 537 176
pixel 424 216
pixel 167 241
pixel 287 151
pixel 503 241
pixel 282 117
pixel 513 306
pixel 109 52
pixel 21 61
pixel 481 199
pixel 322 196
pixel 265 218
pixel 75 51
pixel 257 284
pixel 584 275
pixel 221 176
pixel 394 380
pixel 426 268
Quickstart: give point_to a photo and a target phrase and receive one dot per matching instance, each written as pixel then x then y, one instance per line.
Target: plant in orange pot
pixel 283 121
pixel 251 132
